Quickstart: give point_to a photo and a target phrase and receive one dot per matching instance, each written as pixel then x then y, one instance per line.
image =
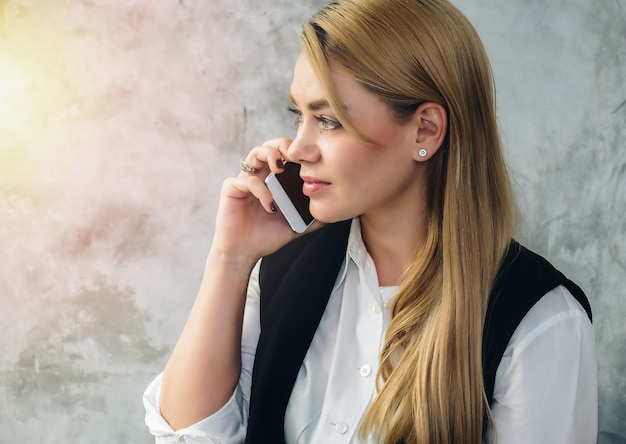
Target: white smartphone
pixel 286 188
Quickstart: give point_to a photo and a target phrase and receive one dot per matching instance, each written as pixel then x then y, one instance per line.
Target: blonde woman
pixel 407 313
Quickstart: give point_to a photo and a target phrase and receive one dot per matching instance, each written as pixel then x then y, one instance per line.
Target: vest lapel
pixel 288 325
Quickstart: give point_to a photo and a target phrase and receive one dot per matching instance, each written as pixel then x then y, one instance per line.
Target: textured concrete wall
pixel 119 120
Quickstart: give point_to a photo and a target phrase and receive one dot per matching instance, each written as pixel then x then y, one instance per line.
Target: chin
pixel 327 216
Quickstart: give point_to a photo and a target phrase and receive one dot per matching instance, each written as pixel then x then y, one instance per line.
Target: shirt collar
pixel 355 252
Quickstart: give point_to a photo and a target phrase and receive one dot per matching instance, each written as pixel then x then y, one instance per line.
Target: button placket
pixel 341 428
pixel 365 370
pixel 377 309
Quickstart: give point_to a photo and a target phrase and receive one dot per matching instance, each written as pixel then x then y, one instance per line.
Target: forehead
pixel 307 91
pixel 305 86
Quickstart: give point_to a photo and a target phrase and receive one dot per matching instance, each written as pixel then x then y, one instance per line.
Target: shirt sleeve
pixel 546 383
pixel 229 424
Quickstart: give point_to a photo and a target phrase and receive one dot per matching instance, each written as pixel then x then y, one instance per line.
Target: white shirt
pixel 545 388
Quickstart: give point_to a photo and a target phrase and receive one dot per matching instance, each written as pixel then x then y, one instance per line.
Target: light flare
pixel 13 103
pixel 31 99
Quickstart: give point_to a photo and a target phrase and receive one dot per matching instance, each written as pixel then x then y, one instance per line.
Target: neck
pixel 392 243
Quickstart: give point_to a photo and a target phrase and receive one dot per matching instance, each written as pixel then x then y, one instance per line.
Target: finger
pixel 242 187
pixel 246 168
pixel 269 156
pixel 251 165
pixel 282 145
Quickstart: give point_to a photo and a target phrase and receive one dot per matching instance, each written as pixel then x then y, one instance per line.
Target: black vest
pixel 296 283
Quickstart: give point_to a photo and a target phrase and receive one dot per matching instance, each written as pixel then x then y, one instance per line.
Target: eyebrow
pixel 312 106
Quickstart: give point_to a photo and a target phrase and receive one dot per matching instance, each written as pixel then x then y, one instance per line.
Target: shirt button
pixel 341 427
pixel 365 370
pixel 377 309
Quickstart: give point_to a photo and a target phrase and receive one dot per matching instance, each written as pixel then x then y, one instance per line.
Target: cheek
pixel 354 165
pixel 382 129
pixel 384 134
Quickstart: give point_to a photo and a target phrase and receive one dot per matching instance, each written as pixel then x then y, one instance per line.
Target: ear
pixel 431 124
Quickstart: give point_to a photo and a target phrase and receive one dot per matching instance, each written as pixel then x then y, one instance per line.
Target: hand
pixel 248 224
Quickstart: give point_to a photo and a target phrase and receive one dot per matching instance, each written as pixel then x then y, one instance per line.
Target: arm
pixel 546 386
pixel 210 344
pixel 229 423
pixel 204 367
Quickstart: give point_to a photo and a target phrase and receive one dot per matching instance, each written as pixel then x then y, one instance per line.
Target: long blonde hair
pixel 430 380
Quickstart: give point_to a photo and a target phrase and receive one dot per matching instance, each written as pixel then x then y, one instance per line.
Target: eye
pixel 327 124
pixel 296 112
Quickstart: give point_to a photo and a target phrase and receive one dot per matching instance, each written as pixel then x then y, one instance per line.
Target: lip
pixel 313 185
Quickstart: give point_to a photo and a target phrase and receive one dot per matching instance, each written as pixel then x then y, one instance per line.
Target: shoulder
pixel 557 313
pixel 311 261
pixel 523 279
pixel 548 375
pixel 329 240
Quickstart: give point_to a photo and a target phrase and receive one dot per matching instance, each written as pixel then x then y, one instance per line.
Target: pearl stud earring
pixel 422 152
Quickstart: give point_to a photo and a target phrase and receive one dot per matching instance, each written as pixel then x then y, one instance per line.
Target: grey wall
pixel 119 120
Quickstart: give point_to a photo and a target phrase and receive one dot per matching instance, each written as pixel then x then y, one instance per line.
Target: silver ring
pixel 247 168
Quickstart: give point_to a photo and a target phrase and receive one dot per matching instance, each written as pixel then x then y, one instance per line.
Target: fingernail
pixel 273 207
pixel 280 163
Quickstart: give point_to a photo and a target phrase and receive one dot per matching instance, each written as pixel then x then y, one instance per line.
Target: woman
pixel 408 314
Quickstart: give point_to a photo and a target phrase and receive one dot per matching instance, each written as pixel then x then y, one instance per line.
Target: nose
pixel 305 146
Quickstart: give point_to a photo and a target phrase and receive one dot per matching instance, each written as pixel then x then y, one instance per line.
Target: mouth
pixel 313 185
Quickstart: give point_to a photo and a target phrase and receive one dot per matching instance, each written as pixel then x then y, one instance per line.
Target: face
pixel 344 176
